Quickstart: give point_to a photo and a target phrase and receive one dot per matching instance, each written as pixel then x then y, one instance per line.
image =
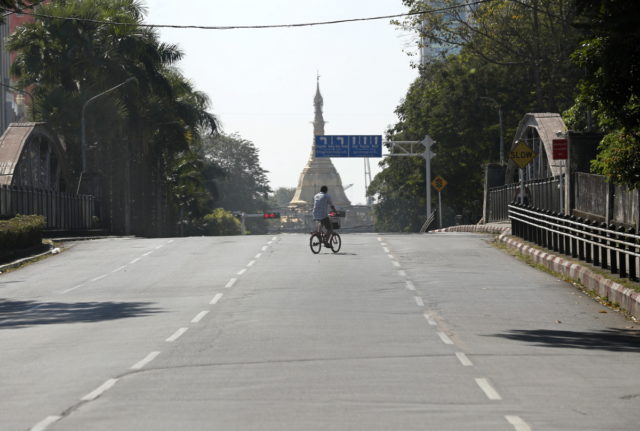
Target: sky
pixel 261 82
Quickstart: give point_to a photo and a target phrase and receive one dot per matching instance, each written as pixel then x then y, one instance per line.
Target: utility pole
pixel 495 102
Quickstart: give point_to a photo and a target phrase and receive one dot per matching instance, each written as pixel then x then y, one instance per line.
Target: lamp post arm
pixel 82 124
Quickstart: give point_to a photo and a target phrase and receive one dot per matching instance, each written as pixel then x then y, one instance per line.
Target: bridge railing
pixel 62 211
pixel 610 247
pixel 541 193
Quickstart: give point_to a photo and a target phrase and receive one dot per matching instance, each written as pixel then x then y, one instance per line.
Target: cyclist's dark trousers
pixel 326 223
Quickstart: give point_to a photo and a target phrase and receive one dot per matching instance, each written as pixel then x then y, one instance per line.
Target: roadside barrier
pixel 614 248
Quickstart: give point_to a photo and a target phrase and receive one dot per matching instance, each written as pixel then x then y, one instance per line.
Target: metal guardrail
pixel 611 247
pixel 62 211
pixel 542 193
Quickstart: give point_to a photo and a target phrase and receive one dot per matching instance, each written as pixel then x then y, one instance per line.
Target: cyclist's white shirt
pixel 321 203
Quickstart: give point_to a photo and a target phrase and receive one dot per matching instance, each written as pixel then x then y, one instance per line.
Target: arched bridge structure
pixel 537 131
pixel 31 156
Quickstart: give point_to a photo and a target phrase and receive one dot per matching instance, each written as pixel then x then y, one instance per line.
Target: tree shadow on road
pixel 22 314
pixel 612 339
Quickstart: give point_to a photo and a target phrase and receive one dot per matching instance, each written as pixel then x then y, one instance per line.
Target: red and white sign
pixel 560 149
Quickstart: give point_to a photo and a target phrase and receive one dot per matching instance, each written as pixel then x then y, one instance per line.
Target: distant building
pixel 318 171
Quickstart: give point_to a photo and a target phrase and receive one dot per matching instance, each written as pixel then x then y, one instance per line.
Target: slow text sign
pixel 349 146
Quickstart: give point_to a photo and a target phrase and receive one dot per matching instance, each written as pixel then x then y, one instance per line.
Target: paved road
pixel 397 332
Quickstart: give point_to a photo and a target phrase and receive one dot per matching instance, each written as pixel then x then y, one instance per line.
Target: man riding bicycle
pixel 321 203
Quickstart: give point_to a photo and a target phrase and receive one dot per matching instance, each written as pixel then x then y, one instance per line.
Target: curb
pixel 24 260
pixel 627 299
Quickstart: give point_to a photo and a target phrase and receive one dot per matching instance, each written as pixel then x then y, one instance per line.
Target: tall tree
pixel 133 133
pixel 244 186
pixel 610 91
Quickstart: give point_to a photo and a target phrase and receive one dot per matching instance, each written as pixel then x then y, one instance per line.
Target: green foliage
pixel 506 55
pixel 221 222
pixel 281 197
pixel 244 185
pixel 610 92
pixel 138 137
pixel 619 158
pixel 22 231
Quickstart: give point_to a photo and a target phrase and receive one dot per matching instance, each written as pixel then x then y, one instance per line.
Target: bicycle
pixel 321 236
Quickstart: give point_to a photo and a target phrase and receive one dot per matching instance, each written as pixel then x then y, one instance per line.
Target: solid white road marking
pixel 242 271
pixel 216 298
pixel 176 335
pixel 445 338
pixel 120 268
pixel 135 260
pixel 100 277
pixel 401 273
pixel 44 424
pixel 150 357
pixel 430 320
pixel 419 301
pixel 395 263
pixel 488 390
pixel 250 264
pixel 230 283
pixel 100 390
pixel 199 316
pixel 264 248
pixel 464 360
pixel 518 423
pixel 410 285
pixel 73 288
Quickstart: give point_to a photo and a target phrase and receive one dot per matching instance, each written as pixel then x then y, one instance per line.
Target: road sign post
pixel 522 155
pixel 410 149
pixel 439 184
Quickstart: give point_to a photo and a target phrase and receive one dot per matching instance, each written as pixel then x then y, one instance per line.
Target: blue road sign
pixel 349 146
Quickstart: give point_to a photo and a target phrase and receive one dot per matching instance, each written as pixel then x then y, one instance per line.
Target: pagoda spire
pixel 318 120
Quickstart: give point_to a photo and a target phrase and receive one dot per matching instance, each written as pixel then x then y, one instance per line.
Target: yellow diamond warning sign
pixel 439 183
pixel 522 155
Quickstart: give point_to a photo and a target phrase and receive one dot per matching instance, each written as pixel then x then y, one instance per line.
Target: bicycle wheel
pixel 336 242
pixel 315 243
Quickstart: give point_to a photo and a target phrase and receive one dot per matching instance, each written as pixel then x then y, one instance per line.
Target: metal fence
pixel 614 248
pixel 63 211
pixel 543 194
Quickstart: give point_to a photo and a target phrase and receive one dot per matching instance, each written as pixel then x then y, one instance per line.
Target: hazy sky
pixel 261 82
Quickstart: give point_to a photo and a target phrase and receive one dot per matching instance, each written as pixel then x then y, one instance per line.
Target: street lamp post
pixel 82 126
pixel 492 100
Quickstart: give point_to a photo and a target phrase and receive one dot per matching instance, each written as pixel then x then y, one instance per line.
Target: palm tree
pixel 135 131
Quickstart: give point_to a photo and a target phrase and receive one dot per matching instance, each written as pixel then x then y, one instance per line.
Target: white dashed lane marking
pixel 150 357
pixel 264 248
pixel 120 268
pixel 250 264
pixel 445 338
pixel 100 390
pixel 419 301
pixel 464 360
pixel 215 299
pixel 401 273
pixel 395 263
pixel 100 277
pixel 518 423
pixel 177 335
pixel 230 283
pixel 242 271
pixel 199 316
pixel 488 390
pixel 410 285
pixel 430 320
